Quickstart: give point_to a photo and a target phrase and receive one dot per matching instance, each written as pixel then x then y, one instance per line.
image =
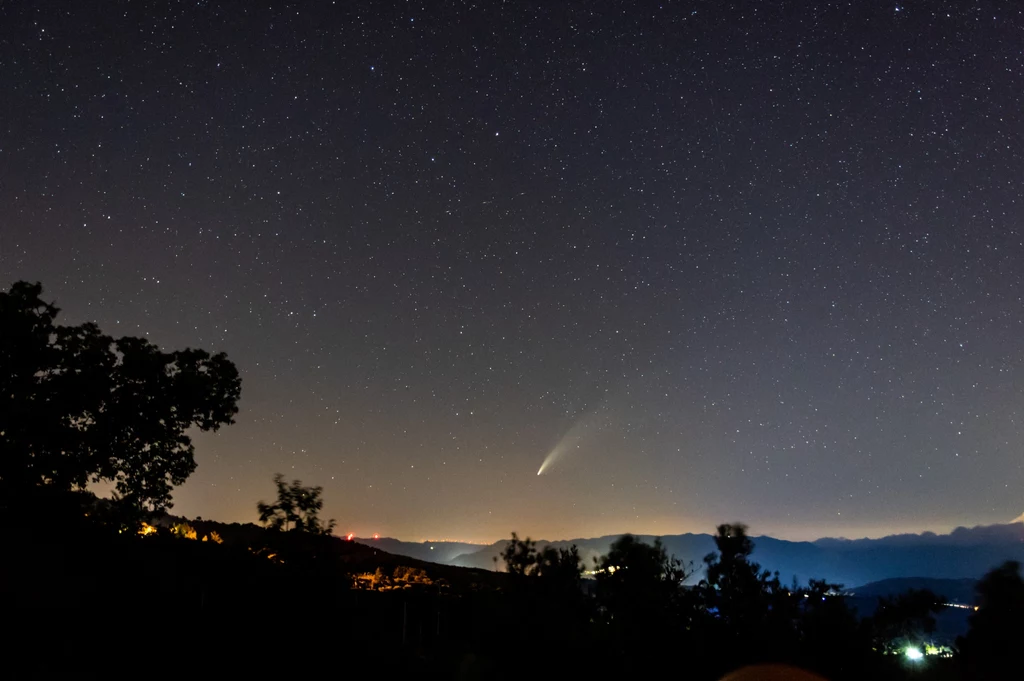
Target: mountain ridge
pixel 963 553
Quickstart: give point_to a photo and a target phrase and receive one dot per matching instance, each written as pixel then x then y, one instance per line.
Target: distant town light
pixel 914 654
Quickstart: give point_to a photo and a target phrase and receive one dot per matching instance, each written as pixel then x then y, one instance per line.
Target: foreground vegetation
pixel 82 587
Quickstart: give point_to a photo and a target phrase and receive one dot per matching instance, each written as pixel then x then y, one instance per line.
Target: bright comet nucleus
pixel 552 455
pixel 586 424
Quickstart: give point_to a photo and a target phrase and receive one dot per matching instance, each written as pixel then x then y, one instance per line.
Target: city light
pixel 914 654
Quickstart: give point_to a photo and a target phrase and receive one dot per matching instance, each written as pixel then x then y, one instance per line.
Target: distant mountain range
pixel 446 553
pixel 959 591
pixel 964 553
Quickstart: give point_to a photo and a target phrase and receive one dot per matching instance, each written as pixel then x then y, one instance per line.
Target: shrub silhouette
pixel 296 509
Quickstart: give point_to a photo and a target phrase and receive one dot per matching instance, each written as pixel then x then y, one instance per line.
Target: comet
pixel 568 441
pixel 571 440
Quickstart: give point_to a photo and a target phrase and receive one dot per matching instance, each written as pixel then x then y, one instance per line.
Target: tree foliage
pixel 560 568
pixel 906 619
pixel 630 562
pixel 639 589
pixel 78 406
pixel 736 587
pixel 297 508
pixel 520 556
pixel 997 627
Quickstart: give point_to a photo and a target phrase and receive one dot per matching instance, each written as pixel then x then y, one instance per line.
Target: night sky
pixel 723 260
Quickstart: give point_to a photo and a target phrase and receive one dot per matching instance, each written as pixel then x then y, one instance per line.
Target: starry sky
pixel 713 261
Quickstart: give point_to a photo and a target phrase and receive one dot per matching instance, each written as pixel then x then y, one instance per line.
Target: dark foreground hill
pixel 89 596
pixel 82 600
pixel 353 557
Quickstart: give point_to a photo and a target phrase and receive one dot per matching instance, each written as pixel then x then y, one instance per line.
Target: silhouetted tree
pixel 297 508
pixel 732 578
pixel 747 616
pixel 520 556
pixel 735 586
pixel 542 606
pixel 832 639
pixel 562 568
pixel 558 568
pixel 78 406
pixel 997 627
pixel 639 588
pixel 907 619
